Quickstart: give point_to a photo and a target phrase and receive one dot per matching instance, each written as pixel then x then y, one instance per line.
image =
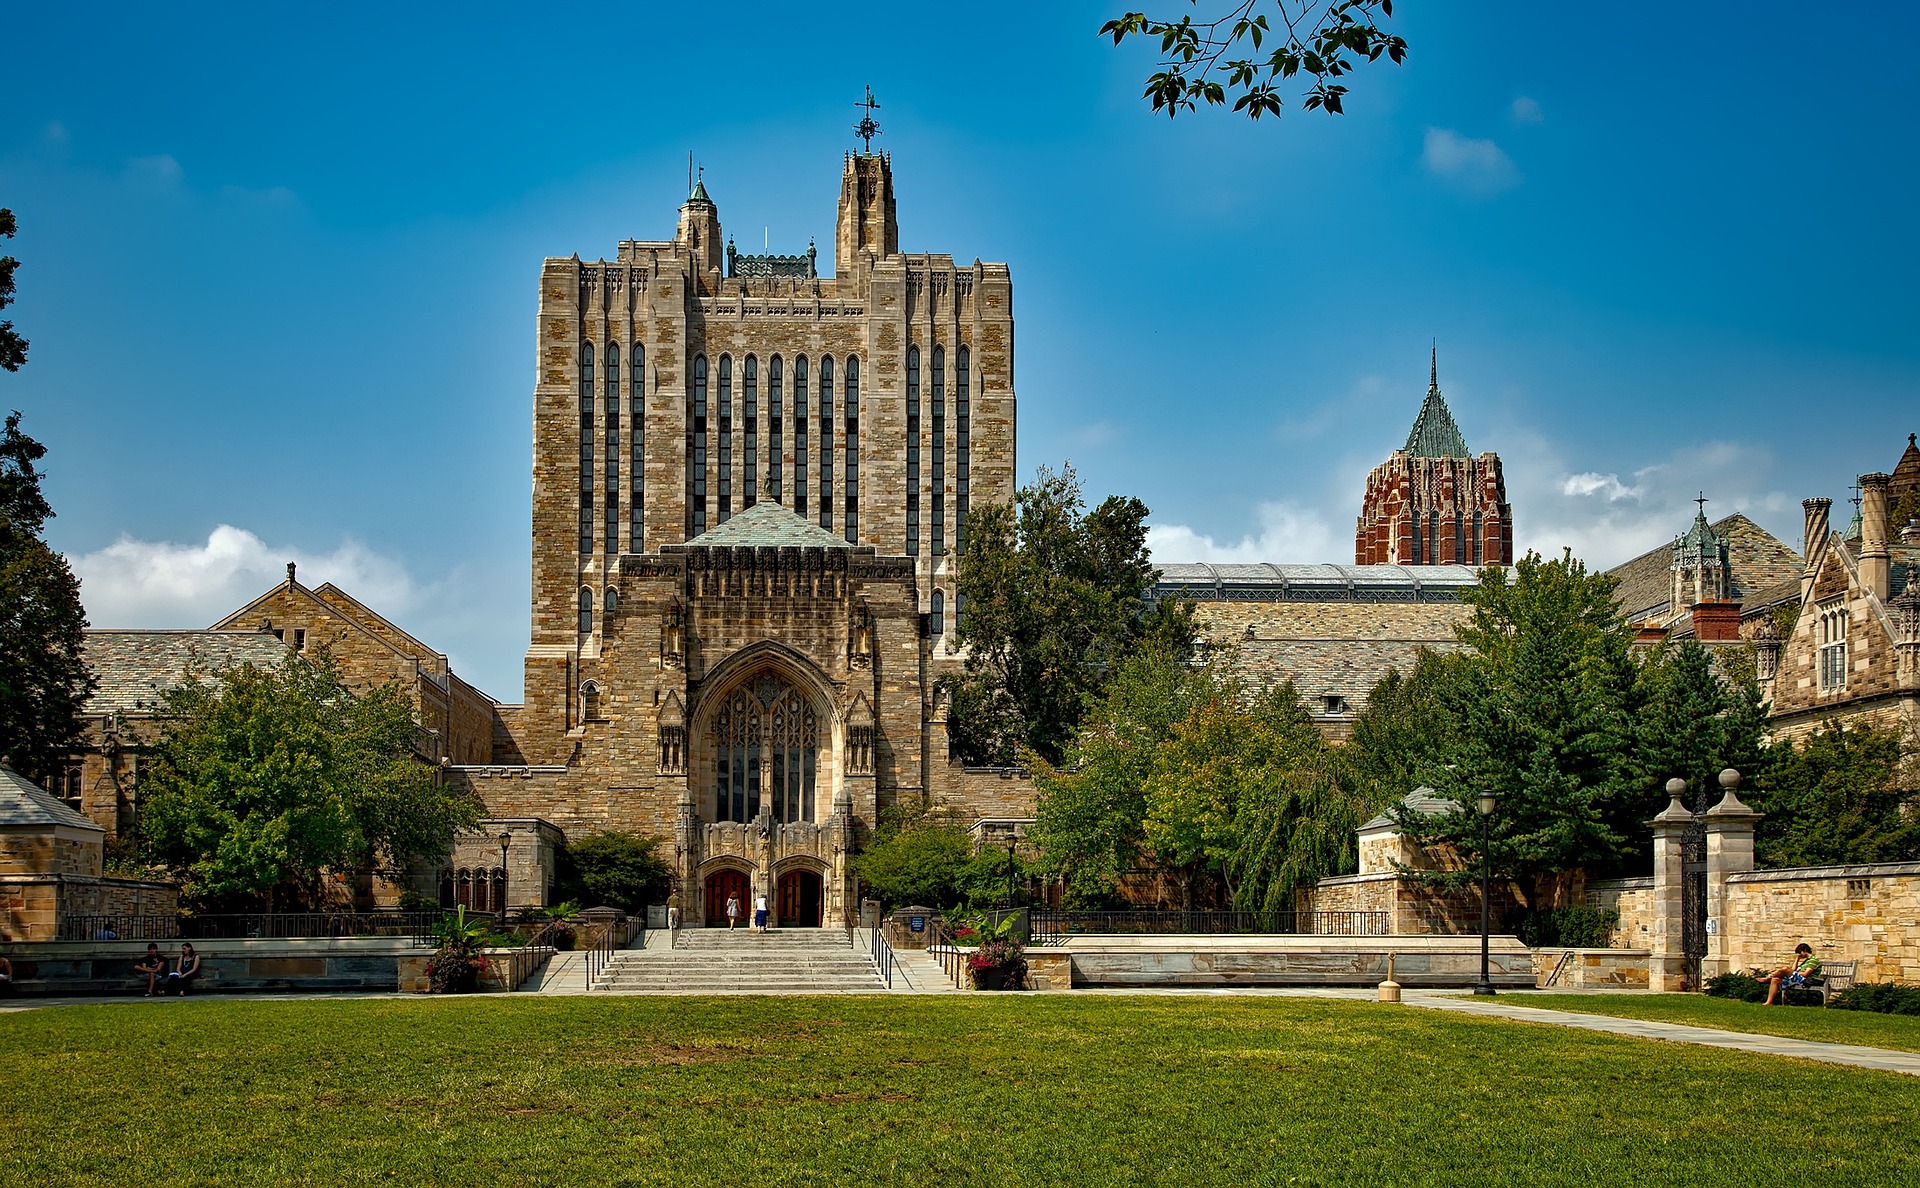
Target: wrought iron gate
pixel 1693 886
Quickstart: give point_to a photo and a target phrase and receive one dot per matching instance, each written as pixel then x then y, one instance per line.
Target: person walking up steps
pixel 760 913
pixel 733 911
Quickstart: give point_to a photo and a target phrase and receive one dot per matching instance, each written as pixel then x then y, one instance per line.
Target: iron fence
pixel 1051 926
pixel 882 954
pixel 417 926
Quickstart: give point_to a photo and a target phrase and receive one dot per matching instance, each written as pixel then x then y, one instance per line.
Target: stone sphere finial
pixel 1676 786
pixel 1729 778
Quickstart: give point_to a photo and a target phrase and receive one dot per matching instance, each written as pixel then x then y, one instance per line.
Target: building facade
pixel 1433 503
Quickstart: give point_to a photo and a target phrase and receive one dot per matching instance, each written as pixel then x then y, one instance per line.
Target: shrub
pixel 1741 987
pixel 457 960
pixel 919 862
pixel 1887 998
pixel 613 869
pixel 1574 927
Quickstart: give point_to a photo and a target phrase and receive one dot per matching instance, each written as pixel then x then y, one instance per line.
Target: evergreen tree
pixel 44 683
pixel 13 348
pixel 1846 797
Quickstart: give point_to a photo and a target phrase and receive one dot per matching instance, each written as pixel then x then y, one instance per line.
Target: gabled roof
pixel 1421 802
pixel 768 525
pixel 1906 476
pixel 24 804
pixel 134 668
pixel 1755 557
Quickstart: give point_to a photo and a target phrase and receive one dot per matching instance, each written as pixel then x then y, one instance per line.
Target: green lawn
pixel 1015 1090
pixel 1808 1023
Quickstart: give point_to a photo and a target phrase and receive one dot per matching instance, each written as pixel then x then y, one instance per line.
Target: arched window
pixel 608 605
pixel 826 442
pixel 913 451
pixel 637 433
pixel 589 702
pixel 726 439
pixel 774 427
pixel 750 398
pixel 853 448
pixel 586 611
pixel 937 519
pixel 963 452
pixel 586 447
pixel 939 617
pixel 697 449
pixel 800 435
pixel 767 741
pixel 612 521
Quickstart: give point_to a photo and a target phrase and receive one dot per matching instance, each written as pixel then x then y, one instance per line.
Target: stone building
pixel 1715 582
pixel 51 862
pixel 749 484
pixel 1433 503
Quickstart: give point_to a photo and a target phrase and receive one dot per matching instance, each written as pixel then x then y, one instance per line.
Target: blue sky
pixel 278 267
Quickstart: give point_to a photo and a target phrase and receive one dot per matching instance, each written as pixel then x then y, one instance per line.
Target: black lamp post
pixel 1485 804
pixel 505 837
pixel 1010 846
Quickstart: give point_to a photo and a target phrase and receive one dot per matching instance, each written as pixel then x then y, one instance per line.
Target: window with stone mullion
pixel 852 403
pixel 612 521
pixel 776 429
pixel 963 450
pixel 800 398
pixel 637 437
pixel 725 464
pixel 826 442
pixel 586 449
pixel 750 410
pixel 937 519
pixel 913 451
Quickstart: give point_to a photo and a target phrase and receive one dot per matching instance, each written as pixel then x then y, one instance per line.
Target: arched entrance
pixel 722 885
pixel 798 903
pixel 770 744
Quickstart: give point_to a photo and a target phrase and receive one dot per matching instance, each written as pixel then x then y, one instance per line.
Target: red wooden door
pixel 722 885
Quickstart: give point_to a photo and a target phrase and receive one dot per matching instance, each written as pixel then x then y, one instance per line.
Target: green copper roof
pixel 1434 434
pixel 768 525
pixel 699 192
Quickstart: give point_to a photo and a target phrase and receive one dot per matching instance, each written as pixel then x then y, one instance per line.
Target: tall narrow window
pixel 1832 626
pixel 586 448
pixel 750 400
pixel 726 439
pixel 1479 545
pixel 697 449
pixel 586 611
pixel 775 425
pixel 826 442
pixel 1414 520
pixel 800 435
pixel 913 451
pixel 939 614
pixel 937 521
pixel 962 451
pixel 853 448
pixel 611 524
pixel 637 435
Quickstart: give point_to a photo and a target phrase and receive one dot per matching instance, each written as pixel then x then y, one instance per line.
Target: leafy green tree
pixel 1092 813
pixel 1846 797
pixel 613 868
pixel 1317 40
pixel 1540 713
pixel 1695 718
pixel 44 683
pixel 1054 599
pixel 920 860
pixel 13 348
pixel 265 780
pixel 1404 731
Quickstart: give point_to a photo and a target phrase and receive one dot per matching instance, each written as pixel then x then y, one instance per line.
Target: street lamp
pixel 1485 804
pixel 505 837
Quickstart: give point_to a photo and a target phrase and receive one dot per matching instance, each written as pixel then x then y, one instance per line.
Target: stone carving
pixel 860 637
pixel 673 736
pixel 860 736
pixel 673 637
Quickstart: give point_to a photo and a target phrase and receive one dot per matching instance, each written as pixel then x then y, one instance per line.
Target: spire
pixel 1434 433
pixel 699 191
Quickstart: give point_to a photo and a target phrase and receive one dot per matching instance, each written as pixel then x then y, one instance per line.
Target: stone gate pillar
pixel 1730 827
pixel 1667 970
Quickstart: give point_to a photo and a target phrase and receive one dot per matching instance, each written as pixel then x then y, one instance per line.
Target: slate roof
pixel 1344 668
pixel 1906 475
pixel 135 667
pixel 768 525
pixel 1266 582
pixel 1755 556
pixel 1420 802
pixel 24 804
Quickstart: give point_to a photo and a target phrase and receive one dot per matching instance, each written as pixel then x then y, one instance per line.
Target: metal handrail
pixel 616 936
pixel 882 954
pixel 1051 926
pixel 941 947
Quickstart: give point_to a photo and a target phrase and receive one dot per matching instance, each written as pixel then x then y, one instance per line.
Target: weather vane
pixel 866 129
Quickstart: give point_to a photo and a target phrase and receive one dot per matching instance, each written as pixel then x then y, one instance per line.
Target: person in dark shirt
pixel 153 964
pixel 185 971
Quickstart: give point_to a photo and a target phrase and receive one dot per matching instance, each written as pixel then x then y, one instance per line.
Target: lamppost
pixel 505 837
pixel 1485 804
pixel 1010 845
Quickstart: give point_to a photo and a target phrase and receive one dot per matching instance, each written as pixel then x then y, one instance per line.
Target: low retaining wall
pixel 76 968
pixel 1633 900
pixel 1582 969
pixel 1868 914
pixel 1279 961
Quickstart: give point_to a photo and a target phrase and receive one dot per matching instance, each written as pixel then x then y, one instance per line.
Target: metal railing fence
pixel 415 925
pixel 1051 926
pixel 882 954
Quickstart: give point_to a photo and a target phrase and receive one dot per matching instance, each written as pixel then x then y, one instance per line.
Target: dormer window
pixel 1333 705
pixel 1832 629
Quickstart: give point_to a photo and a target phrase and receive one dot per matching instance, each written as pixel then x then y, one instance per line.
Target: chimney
pixel 1716 622
pixel 1874 560
pixel 1816 543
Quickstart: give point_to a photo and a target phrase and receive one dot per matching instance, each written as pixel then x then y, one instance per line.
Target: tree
pixel 614 869
pixel 1694 720
pixel 1053 598
pixel 1540 712
pixel 13 348
pixel 263 781
pixel 918 859
pixel 1321 39
pixel 1846 797
pixel 44 682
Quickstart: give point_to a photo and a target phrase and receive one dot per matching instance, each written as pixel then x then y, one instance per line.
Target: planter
pixel 996 977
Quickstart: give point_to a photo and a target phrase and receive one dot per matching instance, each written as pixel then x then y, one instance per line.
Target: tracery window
pixel 1832 627
pixel 938 520
pixel 612 522
pixel 637 434
pixel 774 427
pixel 586 611
pixel 697 450
pixel 853 448
pixel 913 451
pixel 750 399
pixel 767 745
pixel 800 435
pixel 939 617
pixel 826 442
pixel 586 447
pixel 963 459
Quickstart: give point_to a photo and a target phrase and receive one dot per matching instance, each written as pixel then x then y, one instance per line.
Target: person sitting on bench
pixel 1805 965
pixel 184 972
pixel 154 965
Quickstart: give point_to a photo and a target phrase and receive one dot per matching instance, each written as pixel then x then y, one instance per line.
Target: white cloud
pixel 1476 166
pixel 161 168
pixel 1527 111
pixel 1288 532
pixel 1095 435
pixel 138 583
pixel 1607 486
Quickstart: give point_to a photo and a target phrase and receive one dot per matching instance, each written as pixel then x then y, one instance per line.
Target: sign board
pixel 1713 926
pixel 916 923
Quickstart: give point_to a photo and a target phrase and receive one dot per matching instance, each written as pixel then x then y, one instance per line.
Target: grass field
pixel 1901 1032
pixel 1042 1090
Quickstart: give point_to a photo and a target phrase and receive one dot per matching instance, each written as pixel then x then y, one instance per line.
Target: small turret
pixel 700 232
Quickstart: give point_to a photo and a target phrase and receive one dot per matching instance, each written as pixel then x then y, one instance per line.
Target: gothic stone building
pixel 749 484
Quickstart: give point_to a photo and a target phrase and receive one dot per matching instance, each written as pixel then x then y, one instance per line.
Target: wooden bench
pixel 1834 976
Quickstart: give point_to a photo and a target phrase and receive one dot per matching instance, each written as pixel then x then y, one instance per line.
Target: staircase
pixel 742 961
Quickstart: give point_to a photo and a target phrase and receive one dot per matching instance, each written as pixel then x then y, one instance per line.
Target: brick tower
pixel 1433 503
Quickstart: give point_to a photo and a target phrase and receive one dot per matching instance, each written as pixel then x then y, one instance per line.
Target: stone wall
pixel 1633 899
pixel 984 793
pixel 1868 914
pixel 1591 969
pixel 1417 910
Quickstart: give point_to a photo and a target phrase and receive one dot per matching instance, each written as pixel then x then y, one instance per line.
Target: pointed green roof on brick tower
pixel 1434 433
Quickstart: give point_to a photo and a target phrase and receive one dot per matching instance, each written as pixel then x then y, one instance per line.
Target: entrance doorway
pixel 722 885
pixel 799 904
